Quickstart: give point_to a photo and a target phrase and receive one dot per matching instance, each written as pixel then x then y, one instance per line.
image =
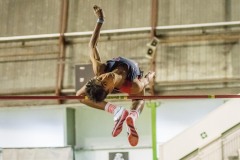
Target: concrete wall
pixel 31 66
pixel 28 17
pixel 34 127
pixel 202 133
pixel 49 127
pixel 94 140
pixel 198 62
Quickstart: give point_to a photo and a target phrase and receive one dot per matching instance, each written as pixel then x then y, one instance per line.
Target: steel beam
pixel 120 31
pixel 62 48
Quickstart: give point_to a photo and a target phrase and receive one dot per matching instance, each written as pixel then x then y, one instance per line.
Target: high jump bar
pixel 117 97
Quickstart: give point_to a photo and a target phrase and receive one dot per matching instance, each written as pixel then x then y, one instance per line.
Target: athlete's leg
pixel 148 78
pixel 119 113
pixel 120 116
pixel 136 109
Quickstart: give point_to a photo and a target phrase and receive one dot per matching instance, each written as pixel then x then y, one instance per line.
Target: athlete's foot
pixel 132 133
pixel 99 12
pixel 150 76
pixel 119 118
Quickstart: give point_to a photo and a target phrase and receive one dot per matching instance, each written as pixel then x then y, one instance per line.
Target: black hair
pixel 95 92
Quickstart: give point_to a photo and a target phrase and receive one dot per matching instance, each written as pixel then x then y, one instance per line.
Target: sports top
pixel 133 71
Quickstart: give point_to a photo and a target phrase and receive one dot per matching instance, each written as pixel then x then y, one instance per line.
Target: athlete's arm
pixel 98 66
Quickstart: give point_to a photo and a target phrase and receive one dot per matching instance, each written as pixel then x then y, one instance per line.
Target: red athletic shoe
pixel 132 133
pixel 123 113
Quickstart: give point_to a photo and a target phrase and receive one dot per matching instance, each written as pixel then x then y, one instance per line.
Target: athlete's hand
pixel 99 12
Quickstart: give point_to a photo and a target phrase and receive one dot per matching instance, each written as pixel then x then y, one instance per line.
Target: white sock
pixel 111 108
pixel 135 114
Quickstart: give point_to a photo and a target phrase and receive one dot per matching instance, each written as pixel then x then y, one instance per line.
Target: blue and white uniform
pixel 133 71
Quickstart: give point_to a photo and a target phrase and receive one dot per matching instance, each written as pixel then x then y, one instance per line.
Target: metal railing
pixel 222 148
pixel 120 31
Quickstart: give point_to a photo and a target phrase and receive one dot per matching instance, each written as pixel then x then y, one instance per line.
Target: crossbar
pixel 10 97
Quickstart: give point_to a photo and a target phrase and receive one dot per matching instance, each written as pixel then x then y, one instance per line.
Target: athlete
pixel 119 74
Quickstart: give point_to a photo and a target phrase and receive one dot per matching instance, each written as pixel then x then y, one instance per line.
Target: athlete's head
pixel 99 87
pixel 95 91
